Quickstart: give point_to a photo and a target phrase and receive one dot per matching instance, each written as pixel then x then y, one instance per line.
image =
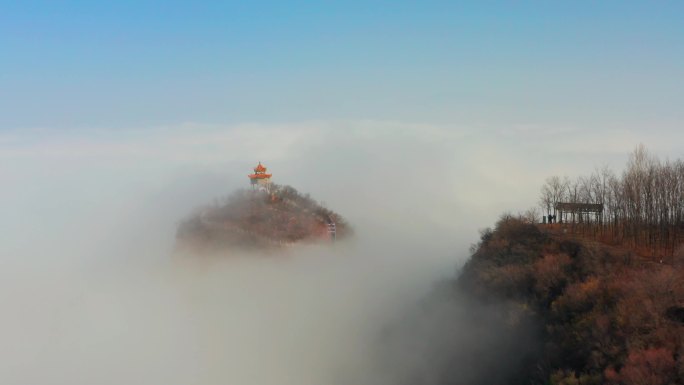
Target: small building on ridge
pixel 260 179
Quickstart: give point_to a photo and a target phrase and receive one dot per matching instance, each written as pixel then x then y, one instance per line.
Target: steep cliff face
pixel 606 315
pixel 260 219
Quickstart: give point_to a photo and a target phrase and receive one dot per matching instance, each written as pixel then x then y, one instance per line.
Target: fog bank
pixel 93 292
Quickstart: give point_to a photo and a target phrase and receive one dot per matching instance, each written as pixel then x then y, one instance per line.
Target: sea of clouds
pixel 93 291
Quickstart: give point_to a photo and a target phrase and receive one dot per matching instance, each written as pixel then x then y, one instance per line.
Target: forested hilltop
pixel 641 208
pixel 595 286
pixel 602 314
pixel 261 219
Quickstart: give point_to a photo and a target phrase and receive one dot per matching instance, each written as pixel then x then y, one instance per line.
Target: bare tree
pixel 643 206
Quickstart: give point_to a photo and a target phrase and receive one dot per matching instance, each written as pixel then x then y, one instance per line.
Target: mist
pixel 93 290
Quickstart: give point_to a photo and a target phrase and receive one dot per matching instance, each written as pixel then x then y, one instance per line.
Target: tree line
pixel 642 206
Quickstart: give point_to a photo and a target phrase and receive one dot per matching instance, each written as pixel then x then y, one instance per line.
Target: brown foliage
pixel 550 273
pixel 647 367
pixel 606 318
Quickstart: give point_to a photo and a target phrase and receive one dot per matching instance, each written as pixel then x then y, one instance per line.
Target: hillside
pixel 260 219
pixel 641 208
pixel 605 315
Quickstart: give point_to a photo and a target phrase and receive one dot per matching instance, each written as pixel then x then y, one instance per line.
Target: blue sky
pixel 80 64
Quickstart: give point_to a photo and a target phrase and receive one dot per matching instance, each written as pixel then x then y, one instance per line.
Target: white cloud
pixel 90 217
